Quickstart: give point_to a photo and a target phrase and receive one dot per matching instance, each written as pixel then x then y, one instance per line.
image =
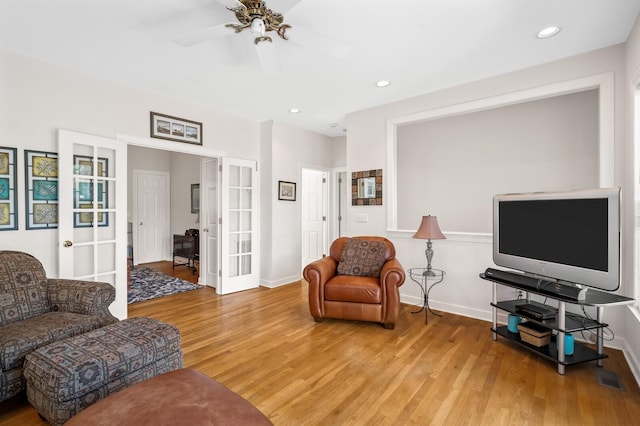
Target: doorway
pixel 314 215
pixel 151 231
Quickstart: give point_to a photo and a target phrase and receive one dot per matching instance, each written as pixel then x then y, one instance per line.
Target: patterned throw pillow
pixel 362 258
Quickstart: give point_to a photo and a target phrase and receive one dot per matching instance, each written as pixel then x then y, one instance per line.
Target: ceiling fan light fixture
pixel 548 32
pixel 257 27
pixel 383 83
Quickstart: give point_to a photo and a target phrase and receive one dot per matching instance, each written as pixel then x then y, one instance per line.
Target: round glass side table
pixel 426 281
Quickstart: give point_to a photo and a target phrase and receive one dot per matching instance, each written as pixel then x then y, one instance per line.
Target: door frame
pixel 184 148
pixel 338 217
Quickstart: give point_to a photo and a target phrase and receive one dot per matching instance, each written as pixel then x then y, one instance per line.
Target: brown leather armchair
pixel 362 298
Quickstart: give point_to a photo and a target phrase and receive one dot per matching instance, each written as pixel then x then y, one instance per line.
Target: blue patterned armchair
pixel 36 310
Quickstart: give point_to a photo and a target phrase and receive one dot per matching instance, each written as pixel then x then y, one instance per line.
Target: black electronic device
pixel 537 312
pixel 566 237
pixel 552 288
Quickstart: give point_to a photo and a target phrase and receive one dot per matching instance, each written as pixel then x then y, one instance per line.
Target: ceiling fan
pixel 255 16
pixel 259 19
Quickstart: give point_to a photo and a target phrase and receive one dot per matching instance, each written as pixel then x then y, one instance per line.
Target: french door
pixel 92 218
pixel 239 226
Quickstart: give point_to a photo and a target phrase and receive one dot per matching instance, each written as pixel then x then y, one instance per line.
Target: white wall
pixel 37 98
pixel 290 149
pixel 185 170
pixel 455 165
pixel 464 255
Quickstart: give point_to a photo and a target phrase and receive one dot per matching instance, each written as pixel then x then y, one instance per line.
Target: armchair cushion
pixel 362 257
pixel 20 338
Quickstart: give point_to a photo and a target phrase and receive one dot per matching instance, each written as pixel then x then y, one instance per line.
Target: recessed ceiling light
pixel 548 32
pixel 383 83
pixel 333 125
pixel 294 110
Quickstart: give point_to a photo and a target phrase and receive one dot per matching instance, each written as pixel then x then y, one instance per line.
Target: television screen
pixel 565 236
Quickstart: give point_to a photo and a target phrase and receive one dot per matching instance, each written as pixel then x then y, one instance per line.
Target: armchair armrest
pixel 392 273
pixel 320 271
pixel 317 274
pixel 392 276
pixel 82 297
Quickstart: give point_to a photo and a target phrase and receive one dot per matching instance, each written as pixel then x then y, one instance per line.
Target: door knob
pixel 140 223
pixel 205 229
pixel 67 243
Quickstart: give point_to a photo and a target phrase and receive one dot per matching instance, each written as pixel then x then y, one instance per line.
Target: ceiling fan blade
pixel 319 42
pixel 285 6
pixel 268 58
pixel 231 4
pixel 203 35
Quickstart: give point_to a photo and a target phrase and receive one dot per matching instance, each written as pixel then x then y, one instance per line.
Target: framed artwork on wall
pixel 195 198
pixel 85 194
pixel 286 191
pixel 8 194
pixel 175 128
pixel 366 188
pixel 41 189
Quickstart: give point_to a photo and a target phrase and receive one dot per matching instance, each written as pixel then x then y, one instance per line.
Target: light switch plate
pixel 362 218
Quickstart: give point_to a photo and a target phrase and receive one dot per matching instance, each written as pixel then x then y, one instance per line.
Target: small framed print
pixel 84 191
pixel 41 189
pixel 8 193
pixel 195 198
pixel 175 128
pixel 286 191
pixel 83 165
pixel 85 219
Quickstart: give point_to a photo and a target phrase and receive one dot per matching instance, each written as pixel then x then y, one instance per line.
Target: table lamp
pixel 429 230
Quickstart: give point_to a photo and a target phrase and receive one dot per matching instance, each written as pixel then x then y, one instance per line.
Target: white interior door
pixel 314 215
pixel 92 209
pixel 239 227
pixel 151 216
pixel 209 218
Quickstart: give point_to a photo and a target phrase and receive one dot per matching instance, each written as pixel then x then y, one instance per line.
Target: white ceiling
pixel 419 45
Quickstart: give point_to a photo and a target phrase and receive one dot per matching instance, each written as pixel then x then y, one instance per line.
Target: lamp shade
pixel 429 229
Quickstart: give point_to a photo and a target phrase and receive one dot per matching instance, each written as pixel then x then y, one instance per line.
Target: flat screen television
pixel 570 237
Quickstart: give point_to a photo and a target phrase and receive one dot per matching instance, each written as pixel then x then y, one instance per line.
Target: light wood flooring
pixel 264 345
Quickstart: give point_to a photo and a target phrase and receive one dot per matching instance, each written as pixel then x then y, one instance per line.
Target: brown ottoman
pixel 180 397
pixel 65 377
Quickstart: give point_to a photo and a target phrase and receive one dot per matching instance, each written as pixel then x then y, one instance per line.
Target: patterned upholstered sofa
pixel 36 310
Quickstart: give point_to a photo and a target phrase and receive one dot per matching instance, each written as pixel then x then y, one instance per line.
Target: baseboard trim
pixel 278 283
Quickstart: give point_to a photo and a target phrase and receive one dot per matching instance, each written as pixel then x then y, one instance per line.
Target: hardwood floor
pixel 264 345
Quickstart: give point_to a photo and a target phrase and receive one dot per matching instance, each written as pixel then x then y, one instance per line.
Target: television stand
pixel 561 324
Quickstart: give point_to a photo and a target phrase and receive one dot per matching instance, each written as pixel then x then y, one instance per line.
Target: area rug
pixel 147 284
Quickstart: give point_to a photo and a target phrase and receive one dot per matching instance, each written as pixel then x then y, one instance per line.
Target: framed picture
pixel 84 166
pixel 41 189
pixel 286 191
pixel 8 194
pixel 84 191
pixel 85 219
pixel 175 129
pixel 366 188
pixel 195 198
